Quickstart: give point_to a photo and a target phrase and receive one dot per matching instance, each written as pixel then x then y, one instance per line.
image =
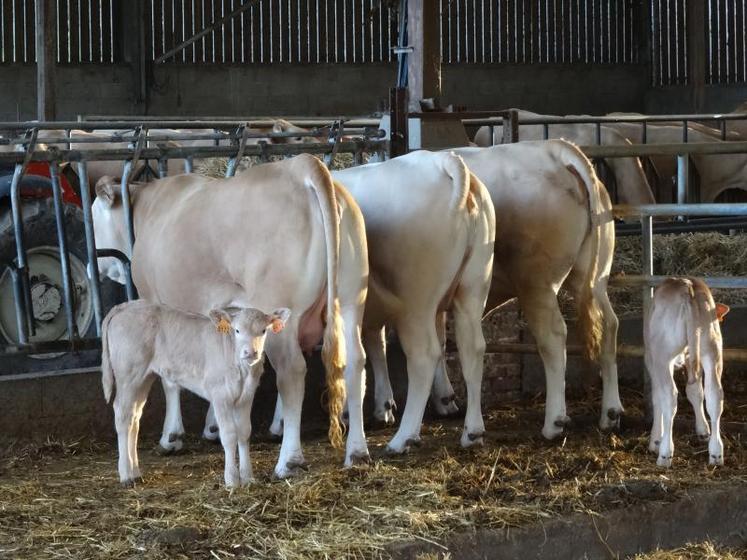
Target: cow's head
pixel 110 226
pixel 249 328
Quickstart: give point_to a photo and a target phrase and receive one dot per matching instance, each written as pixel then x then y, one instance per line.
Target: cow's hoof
pixel 653 446
pixel 557 428
pixel 716 460
pixel 611 420
pixel 470 439
pixel 663 461
pixel 446 406
pixel 131 482
pixel 414 442
pixel 359 458
pixel 703 437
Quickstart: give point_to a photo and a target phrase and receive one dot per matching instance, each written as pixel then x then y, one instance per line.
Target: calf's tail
pixel 693 335
pixel 107 373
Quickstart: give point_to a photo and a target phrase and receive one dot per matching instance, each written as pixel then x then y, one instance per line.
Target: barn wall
pixel 331 89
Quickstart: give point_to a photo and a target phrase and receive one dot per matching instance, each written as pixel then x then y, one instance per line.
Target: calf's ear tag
pixel 223 326
pixel 277 325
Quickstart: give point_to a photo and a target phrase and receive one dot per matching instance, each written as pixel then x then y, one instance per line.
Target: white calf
pixel 219 358
pixel 684 320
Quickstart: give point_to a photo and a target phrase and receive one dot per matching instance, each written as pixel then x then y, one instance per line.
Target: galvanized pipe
pixel 720 209
pixel 647 240
pixel 163 168
pixel 127 203
pixel 720 282
pixel 67 288
pixel 93 266
pixel 23 337
pixel 23 269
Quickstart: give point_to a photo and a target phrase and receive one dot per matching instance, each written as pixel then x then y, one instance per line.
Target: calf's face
pixel 249 328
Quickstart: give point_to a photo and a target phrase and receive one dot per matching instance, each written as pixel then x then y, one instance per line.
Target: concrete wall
pixel 325 89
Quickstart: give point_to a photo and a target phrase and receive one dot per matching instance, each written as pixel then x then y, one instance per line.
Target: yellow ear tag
pixel 223 326
pixel 277 325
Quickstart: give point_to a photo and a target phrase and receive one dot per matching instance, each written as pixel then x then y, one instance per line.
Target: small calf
pixel 683 328
pixel 219 358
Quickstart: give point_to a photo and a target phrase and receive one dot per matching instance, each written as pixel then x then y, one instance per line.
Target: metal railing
pixel 235 147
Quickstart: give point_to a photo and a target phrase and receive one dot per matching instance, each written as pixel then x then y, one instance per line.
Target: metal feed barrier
pixel 231 141
pixel 231 138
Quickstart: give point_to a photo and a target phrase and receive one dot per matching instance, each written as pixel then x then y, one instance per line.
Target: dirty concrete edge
pixel 718 515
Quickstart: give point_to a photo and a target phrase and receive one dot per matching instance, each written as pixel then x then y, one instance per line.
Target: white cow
pixel 278 234
pixel 631 182
pixel 683 328
pixel 218 358
pixel 430 227
pixel 554 227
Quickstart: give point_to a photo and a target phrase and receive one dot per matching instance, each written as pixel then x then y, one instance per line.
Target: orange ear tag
pixel 277 325
pixel 223 326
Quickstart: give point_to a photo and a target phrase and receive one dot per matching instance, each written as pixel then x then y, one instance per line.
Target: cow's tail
pixel 107 373
pixel 333 345
pixel 590 318
pixel 462 196
pixel 690 301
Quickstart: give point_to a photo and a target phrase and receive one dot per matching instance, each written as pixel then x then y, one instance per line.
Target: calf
pixel 683 328
pixel 218 358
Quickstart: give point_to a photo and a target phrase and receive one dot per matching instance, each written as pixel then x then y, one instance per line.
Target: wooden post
pixel 46 59
pixel 424 62
pixel 131 17
pixel 696 47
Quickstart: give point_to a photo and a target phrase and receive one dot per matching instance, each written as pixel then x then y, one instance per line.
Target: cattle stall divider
pixel 230 139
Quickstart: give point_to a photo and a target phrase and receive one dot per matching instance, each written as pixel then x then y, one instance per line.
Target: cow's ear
pixel 721 311
pixel 279 318
pixel 107 190
pixel 221 319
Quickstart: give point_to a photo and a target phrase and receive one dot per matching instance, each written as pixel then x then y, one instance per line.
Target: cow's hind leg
pixel 541 310
pixel 468 307
pixel 420 343
pixel 714 394
pixel 443 399
pixel 210 432
pixel 355 385
pixel 612 408
pixel 374 341
pixel 287 359
pixel 173 428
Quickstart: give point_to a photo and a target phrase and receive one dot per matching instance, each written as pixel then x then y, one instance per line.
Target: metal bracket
pixel 234 161
pixel 335 133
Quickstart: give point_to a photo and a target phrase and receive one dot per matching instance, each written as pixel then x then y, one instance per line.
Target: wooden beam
pixel 131 19
pixel 46 59
pixel 696 47
pixel 424 62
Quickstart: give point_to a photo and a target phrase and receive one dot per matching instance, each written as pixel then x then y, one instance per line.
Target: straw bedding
pixel 62 499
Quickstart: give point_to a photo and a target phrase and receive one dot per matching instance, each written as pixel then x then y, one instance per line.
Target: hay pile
pixel 216 167
pixel 700 551
pixel 63 500
pixel 693 254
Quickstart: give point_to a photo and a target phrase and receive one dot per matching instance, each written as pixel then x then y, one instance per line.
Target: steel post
pixel 22 263
pixel 647 240
pixel 127 203
pixel 67 288
pixel 93 265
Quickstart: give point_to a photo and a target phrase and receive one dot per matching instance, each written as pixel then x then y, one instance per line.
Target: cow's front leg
pixel 287 359
pixel 276 428
pixel 443 398
pixel 374 339
pixel 540 308
pixel 173 428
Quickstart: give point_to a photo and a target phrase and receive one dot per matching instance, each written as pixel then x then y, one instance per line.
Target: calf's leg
pixel 210 432
pixel 224 415
pixel 173 428
pixel 695 395
pixel 715 404
pixel 276 428
pixel 667 396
